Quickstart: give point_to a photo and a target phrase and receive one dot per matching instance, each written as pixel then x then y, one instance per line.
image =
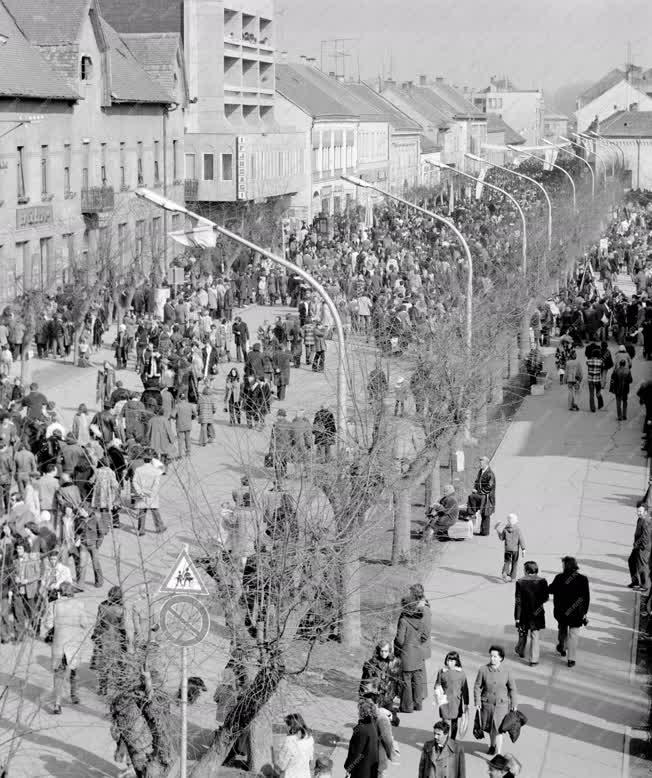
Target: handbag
pixel 440 696
pixel 478 732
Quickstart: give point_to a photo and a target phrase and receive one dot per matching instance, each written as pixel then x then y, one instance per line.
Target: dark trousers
pixel 234 412
pixel 485 524
pixel 92 553
pixel 156 514
pixel 510 564
pixel 6 627
pixel 621 406
pixel 414 691
pixel 24 611
pixel 318 362
pixel 638 567
pixel 595 392
pixel 5 493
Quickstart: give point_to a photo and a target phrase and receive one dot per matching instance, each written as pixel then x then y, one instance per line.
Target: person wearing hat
pixel 623 354
pixel 503 766
pixel 571 599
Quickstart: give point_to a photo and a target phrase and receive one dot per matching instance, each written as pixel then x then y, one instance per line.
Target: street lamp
pixel 469 283
pixel 170 205
pixel 552 164
pixel 611 144
pixel 576 156
pixel 525 322
pixel 595 153
pixel 595 140
pixel 527 178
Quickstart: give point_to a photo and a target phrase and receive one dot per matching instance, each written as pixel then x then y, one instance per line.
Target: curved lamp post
pixel 469 283
pixel 525 323
pixel 594 152
pixel 609 155
pixel 527 178
pixel 170 205
pixel 575 156
pixel 610 143
pixel 527 154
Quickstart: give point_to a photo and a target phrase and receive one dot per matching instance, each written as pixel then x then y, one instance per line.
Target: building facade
pixel 70 170
pixel 555 126
pixel 613 93
pixel 631 132
pixel 522 109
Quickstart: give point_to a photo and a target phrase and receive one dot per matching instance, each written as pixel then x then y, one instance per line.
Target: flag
pixel 550 157
pixel 479 186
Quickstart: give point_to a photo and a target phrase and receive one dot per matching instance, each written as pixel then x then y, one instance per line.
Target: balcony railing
pixel 190 188
pixel 97 199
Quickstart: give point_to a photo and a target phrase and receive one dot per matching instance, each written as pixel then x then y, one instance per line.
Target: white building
pixel 631 131
pixel 522 109
pixel 617 91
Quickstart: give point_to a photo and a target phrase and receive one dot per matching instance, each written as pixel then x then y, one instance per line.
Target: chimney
pixel 331 73
pixel 340 78
pixel 408 85
pixel 423 80
pixel 390 82
pixel 439 79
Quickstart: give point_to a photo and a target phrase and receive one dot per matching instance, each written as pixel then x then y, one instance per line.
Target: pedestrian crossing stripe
pixel 184 578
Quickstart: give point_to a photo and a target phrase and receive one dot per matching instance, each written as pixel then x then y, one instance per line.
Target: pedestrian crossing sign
pixel 184 578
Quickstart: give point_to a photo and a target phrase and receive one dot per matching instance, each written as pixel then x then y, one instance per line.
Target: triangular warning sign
pixel 184 578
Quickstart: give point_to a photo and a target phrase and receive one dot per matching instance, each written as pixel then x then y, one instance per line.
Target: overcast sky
pixel 546 44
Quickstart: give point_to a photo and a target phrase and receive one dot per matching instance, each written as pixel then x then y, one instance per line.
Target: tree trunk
pixel 350 584
pixel 402 524
pixel 433 484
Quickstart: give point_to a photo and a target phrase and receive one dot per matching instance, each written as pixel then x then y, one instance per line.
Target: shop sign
pixel 241 167
pixel 33 216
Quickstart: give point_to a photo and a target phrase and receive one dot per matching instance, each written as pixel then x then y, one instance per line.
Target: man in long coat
pixel 485 486
pixel 531 594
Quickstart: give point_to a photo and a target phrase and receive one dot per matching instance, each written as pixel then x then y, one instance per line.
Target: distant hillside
pixel 564 98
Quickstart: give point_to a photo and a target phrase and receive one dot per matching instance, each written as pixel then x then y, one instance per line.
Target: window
pixel 208 167
pixel 44 170
pixel 156 162
pixel 86 70
pixel 176 226
pixel 67 162
pixel 103 177
pixel 140 238
pixel 139 163
pixel 190 167
pixel 86 163
pixel 227 167
pixel 20 171
pixel 156 235
pixel 41 274
pixel 22 275
pixel 122 243
pixel 123 165
pixel 175 162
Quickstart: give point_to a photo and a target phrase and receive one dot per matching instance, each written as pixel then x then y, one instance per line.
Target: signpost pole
pixel 184 713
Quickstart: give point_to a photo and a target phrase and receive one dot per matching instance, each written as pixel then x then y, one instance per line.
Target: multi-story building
pixel 618 90
pixel 85 125
pixel 499 136
pixel 555 126
pixel 236 150
pixel 522 109
pixel 631 132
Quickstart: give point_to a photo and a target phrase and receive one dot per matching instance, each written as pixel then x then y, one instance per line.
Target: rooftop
pixel 496 123
pixel 134 16
pixel 456 101
pixel 23 72
pixel 428 146
pixel 316 93
pixel 49 22
pixel 638 78
pixel 378 106
pixel 157 53
pixel 627 124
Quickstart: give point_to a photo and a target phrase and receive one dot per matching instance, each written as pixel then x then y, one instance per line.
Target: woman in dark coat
pixel 494 695
pixel 281 371
pixel 621 378
pixel 363 756
pixel 376 672
pixel 110 640
pixel 411 635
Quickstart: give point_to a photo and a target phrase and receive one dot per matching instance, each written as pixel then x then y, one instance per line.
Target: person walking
pixel 184 414
pixel 512 536
pixel 531 594
pixel 451 684
pixel 408 646
pixel 621 379
pixel 69 622
pixel 443 756
pixel 146 485
pixel 109 638
pixel 298 749
pixel 485 487
pixel 639 559
pixel 363 753
pixel 574 378
pixel 594 375
pixel 494 695
pixel 571 599
pixel 207 407
pixel 233 396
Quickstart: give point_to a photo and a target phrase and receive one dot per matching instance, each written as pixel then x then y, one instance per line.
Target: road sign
pixel 184 578
pixel 184 621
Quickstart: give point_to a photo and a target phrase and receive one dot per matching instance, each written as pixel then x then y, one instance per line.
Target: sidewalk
pixel 573 479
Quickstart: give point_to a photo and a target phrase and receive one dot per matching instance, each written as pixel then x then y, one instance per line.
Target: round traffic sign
pixel 184 621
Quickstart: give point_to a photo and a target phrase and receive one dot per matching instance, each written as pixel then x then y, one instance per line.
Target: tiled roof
pixel 612 78
pixel 451 97
pixel 143 15
pixel 423 102
pixel 373 104
pixel 496 123
pixel 428 146
pixel 555 117
pixel 129 80
pixel 319 95
pixel 627 124
pixel 23 72
pixel 157 53
pixel 49 22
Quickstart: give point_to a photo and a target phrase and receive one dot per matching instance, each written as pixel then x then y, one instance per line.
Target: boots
pixel 74 697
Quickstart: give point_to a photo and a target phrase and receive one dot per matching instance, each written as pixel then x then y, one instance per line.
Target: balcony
pixel 190 189
pixel 97 199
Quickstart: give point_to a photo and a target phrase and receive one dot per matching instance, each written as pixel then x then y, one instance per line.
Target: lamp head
pixel 357 182
pixel 474 157
pixel 159 200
